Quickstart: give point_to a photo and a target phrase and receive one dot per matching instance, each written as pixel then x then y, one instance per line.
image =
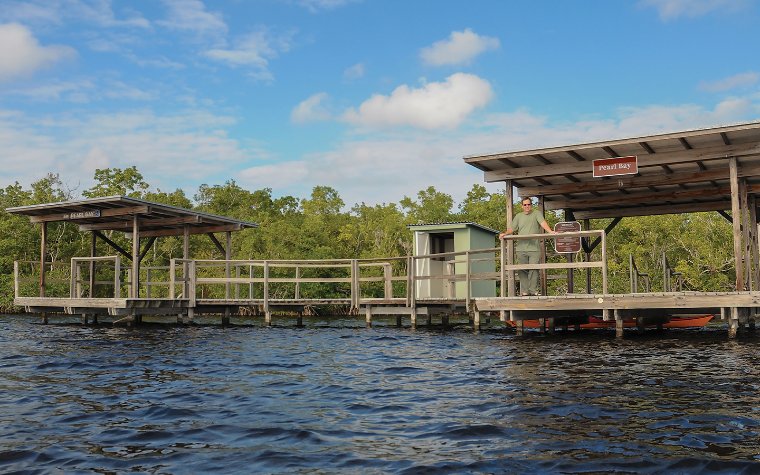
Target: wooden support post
pixel 577 327
pixel 510 258
pixel 619 324
pixel 542 325
pixel 94 318
pixel 519 328
pixel 398 321
pixel 368 315
pixel 134 291
pixel 587 227
pixel 552 325
pixel 445 320
pixel 299 319
pixel 755 250
pixel 268 318
pixel 267 313
pixel 43 254
pixel 227 257
pixel 736 212
pixel 640 324
pixel 93 253
pixel 226 316
pixel 476 320
pixel 733 322
pixel 185 257
pixel 570 257
pixel 413 317
pixel 542 273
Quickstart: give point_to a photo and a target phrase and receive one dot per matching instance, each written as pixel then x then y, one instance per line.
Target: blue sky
pixel 377 99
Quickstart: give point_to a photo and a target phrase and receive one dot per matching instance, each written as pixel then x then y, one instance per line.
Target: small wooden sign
pixel 82 214
pixel 616 166
pixel 570 244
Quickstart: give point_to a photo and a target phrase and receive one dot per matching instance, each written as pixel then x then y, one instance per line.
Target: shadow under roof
pixel 115 213
pixel 678 172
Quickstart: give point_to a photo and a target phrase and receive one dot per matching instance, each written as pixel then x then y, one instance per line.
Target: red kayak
pixel 594 322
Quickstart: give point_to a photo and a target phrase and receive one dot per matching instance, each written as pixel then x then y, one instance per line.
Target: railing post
pixel 191 281
pixel 117 278
pixel 503 262
pixel 148 282
pixel 237 284
pixel 15 280
pixel 632 274
pixel 467 280
pixel 172 278
pixel 266 287
pixel 298 283
pixel 387 274
pixel 72 278
pixel 604 262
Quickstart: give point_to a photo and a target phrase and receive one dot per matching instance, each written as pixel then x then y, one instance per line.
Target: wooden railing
pixel 672 280
pixel 507 285
pixel 391 281
pixel 637 276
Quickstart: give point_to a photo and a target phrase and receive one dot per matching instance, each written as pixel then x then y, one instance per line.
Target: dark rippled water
pixel 336 398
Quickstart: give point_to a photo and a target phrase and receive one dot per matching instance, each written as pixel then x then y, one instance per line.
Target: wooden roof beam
pixel 127 225
pixel 685 143
pixel 653 210
pixel 576 155
pixel 725 138
pixel 629 182
pixel 193 230
pixel 647 147
pixel 542 159
pixel 610 152
pixel 622 200
pixel 708 153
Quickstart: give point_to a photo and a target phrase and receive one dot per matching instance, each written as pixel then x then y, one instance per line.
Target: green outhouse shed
pixel 438 238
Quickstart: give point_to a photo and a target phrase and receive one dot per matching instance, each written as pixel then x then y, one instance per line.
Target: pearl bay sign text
pixel 616 166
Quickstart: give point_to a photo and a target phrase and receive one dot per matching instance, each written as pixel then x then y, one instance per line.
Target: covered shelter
pixel 711 169
pixel 708 169
pixel 142 221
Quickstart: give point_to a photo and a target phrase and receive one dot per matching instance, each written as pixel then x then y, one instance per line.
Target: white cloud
pixel 180 150
pixel 192 16
pixel 254 50
pixel 311 109
pixel 435 105
pixel 672 9
pixel 22 55
pixel 460 48
pixel 736 81
pixel 98 12
pixel 317 5
pixel 354 72
pixel 386 167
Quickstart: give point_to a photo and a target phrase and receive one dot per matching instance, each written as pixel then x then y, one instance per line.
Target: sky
pixel 377 99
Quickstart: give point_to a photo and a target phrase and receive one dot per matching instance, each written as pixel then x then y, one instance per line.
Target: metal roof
pixel 452 225
pixel 115 213
pixel 677 172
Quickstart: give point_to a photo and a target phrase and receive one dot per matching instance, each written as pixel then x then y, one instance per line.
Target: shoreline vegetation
pixel 321 226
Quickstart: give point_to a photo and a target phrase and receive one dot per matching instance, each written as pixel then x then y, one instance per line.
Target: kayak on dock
pixel 596 322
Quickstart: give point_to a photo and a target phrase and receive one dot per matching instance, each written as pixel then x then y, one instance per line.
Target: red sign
pixel 616 166
pixel 569 244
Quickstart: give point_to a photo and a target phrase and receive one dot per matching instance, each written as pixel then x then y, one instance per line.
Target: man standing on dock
pixel 528 250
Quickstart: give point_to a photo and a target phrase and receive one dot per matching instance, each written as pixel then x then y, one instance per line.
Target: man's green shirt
pixel 527 224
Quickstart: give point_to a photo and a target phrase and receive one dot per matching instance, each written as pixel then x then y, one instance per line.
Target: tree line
pixel 321 227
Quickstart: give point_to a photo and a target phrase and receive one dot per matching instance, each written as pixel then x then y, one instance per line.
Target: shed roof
pixel 115 213
pixel 449 225
pixel 677 172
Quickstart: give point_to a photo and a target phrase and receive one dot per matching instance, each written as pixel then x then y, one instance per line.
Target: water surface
pixel 335 397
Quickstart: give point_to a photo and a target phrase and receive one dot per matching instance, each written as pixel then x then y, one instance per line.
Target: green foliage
pixel 117 181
